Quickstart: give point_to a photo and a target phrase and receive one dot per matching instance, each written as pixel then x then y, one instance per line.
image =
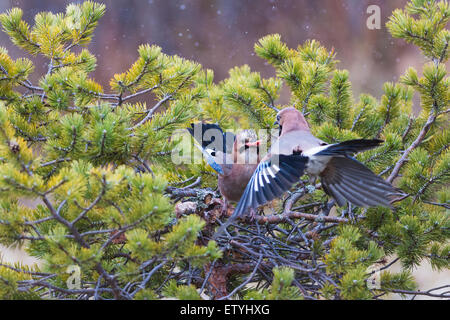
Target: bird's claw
pixel 252 215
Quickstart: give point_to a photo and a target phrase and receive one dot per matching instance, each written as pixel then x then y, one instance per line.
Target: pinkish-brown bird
pixel 297 152
pixel 233 157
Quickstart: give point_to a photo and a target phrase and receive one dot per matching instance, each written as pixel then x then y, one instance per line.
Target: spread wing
pixel 271 179
pixel 347 179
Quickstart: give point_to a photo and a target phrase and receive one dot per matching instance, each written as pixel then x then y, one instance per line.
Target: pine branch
pixel 151 111
pixel 430 121
pixel 429 293
pixel 275 219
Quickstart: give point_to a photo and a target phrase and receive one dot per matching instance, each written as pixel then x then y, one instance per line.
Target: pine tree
pixel 113 206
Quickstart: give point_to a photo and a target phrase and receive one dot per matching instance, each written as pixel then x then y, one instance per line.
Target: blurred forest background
pixel 220 34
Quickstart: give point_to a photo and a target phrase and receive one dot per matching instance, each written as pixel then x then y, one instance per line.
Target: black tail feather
pixel 350 147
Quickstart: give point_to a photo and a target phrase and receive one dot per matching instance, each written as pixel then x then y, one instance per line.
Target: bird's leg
pixel 252 214
pixel 312 180
pixel 225 207
pixel 351 216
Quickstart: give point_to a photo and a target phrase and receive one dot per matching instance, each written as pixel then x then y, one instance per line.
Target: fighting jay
pixel 233 157
pixel 297 152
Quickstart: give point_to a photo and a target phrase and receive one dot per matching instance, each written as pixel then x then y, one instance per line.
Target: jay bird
pixel 233 157
pixel 297 152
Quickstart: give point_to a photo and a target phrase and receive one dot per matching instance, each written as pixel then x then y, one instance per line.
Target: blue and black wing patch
pixel 270 180
pixel 212 139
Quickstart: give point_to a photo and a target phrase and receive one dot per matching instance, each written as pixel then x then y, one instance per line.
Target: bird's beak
pixel 276 123
pixel 253 144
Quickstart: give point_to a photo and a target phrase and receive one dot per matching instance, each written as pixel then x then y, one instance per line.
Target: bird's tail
pixel 350 147
pixel 347 179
